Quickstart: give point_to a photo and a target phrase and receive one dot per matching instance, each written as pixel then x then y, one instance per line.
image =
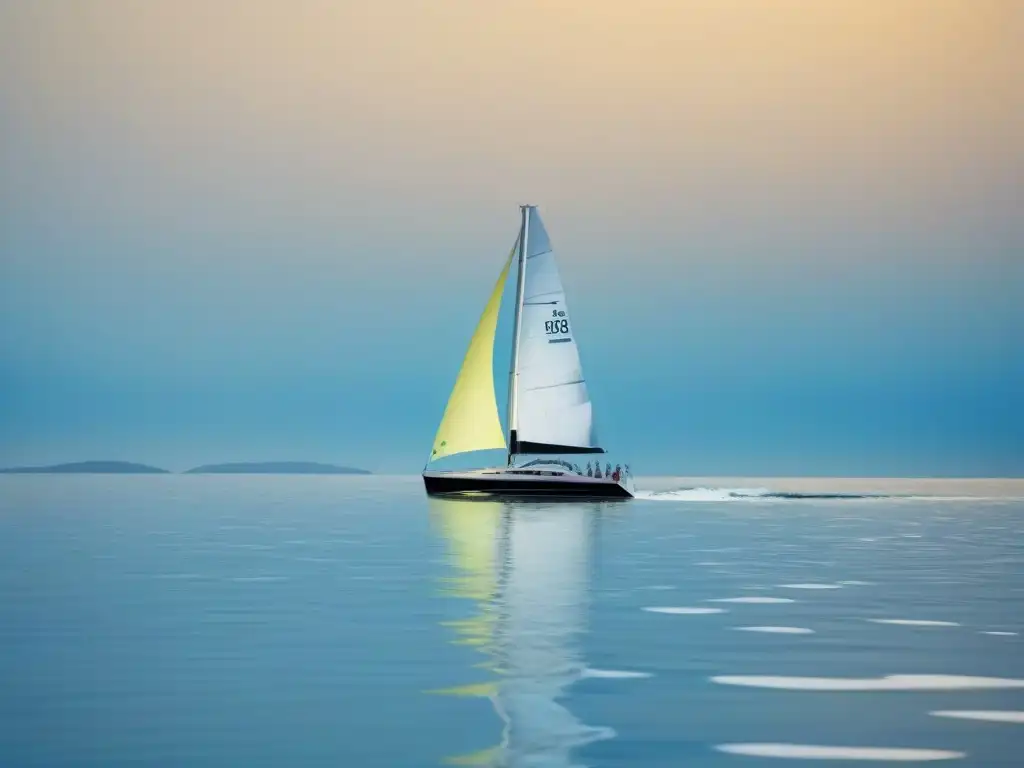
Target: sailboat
pixel 549 410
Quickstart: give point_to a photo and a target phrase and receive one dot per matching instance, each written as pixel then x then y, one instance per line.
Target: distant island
pixel 89 468
pixel 237 468
pixel 275 468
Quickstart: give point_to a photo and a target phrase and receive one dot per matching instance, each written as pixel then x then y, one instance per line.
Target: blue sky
pixel 253 234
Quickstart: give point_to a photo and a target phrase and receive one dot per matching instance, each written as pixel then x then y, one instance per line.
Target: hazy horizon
pixel 263 231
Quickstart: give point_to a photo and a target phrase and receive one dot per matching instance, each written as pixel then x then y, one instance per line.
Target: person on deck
pixel 590 469
pixel 597 470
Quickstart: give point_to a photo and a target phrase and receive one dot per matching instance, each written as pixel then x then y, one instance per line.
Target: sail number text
pixel 558 325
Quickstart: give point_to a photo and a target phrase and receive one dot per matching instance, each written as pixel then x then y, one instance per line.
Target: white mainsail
pixel 554 413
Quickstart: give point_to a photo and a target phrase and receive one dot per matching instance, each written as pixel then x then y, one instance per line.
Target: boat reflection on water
pixel 527 567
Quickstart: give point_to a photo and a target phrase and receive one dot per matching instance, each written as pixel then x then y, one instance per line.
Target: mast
pixel 513 375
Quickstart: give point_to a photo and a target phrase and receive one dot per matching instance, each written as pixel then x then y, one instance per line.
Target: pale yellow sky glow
pixel 899 113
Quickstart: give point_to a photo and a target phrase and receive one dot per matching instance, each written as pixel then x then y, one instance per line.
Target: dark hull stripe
pixel 536 488
pixel 525 446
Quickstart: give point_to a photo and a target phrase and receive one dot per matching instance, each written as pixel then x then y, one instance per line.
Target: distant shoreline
pixel 664 487
pixel 104 467
pixel 88 468
pixel 275 468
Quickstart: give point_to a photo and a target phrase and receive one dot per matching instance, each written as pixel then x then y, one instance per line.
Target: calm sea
pixel 348 621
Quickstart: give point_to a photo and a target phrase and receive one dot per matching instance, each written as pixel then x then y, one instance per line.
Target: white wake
pixel 705 494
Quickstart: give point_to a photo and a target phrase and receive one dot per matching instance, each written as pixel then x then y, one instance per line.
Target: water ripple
pixel 684 611
pixel 990 715
pixel 887 683
pixel 753 600
pixel 813 752
pixel 777 630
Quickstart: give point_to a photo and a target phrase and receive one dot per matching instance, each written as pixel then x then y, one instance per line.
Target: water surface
pixel 269 621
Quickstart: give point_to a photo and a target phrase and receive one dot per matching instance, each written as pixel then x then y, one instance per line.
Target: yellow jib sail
pixel 471 421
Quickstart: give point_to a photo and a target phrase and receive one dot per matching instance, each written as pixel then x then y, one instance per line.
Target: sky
pixel 790 231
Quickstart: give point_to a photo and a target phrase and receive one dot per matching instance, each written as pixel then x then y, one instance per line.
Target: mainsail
pixel 553 413
pixel 471 421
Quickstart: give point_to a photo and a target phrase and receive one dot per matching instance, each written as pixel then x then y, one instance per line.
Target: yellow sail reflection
pixel 485 757
pixel 471 529
pixel 471 421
